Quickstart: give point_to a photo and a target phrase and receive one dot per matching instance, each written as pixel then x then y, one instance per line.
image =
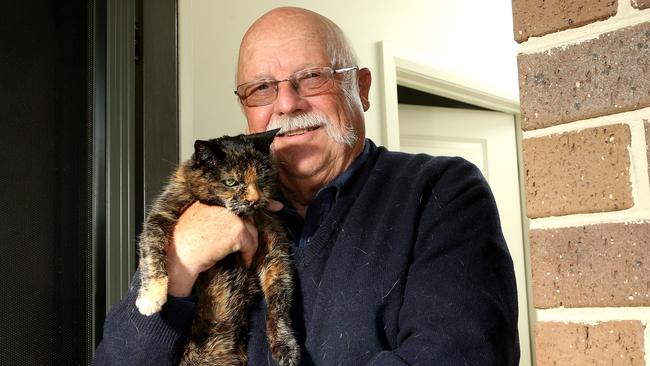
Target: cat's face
pixel 234 172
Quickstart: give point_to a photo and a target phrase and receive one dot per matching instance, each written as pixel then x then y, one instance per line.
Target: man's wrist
pixel 181 281
pixel 192 298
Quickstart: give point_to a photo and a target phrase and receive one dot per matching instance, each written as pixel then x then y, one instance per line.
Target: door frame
pixel 394 70
pixel 135 81
pixel 398 70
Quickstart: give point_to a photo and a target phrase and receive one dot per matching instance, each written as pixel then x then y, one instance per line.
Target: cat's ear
pixel 205 150
pixel 263 140
pixel 202 152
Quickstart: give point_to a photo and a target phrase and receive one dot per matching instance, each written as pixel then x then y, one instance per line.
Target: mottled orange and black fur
pixel 237 173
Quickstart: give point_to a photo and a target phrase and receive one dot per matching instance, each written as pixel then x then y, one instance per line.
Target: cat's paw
pixel 148 306
pixel 288 353
pixel 151 300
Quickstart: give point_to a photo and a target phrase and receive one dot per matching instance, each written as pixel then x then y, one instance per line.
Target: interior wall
pixel 472 39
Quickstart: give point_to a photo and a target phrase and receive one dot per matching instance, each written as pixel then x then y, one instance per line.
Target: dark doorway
pixel 46 311
pixel 83 109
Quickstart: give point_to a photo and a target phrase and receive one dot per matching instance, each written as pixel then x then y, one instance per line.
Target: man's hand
pixel 203 236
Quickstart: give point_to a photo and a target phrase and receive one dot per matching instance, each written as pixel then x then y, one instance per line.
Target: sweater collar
pixel 340 182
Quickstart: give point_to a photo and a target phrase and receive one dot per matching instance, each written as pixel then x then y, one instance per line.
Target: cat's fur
pixel 219 331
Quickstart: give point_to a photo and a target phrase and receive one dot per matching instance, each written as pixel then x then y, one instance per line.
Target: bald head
pixel 281 25
pixel 323 132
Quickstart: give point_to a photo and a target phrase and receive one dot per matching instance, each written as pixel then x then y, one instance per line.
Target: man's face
pixel 308 153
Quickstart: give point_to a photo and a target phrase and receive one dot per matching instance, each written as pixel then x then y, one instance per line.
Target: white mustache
pixel 290 123
pixel 345 135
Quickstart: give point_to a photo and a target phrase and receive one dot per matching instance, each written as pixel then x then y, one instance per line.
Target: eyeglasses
pixel 306 82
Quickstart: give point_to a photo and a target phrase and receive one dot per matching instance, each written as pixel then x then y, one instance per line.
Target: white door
pixel 487 139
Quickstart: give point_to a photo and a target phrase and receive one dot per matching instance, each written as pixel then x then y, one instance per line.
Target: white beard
pixel 342 134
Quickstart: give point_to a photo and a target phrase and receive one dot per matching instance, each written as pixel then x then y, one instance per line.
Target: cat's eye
pixel 230 182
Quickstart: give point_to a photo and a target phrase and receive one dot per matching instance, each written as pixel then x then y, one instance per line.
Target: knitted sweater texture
pixel 410 267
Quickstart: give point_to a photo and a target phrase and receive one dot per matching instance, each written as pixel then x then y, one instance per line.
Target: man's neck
pixel 300 192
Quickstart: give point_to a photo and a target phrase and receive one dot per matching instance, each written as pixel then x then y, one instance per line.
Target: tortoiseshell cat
pixel 237 173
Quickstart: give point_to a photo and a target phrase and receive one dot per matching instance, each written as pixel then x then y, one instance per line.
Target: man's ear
pixel 365 79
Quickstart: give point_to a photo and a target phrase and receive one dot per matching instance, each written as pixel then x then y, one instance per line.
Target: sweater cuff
pixel 171 326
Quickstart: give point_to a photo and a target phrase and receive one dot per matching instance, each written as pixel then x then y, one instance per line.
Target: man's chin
pixel 297 162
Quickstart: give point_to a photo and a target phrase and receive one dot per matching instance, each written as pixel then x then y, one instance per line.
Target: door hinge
pixel 137 43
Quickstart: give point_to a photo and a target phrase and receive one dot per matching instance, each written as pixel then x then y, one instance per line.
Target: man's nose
pixel 288 100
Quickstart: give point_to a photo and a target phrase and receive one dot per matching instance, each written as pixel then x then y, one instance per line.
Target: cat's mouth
pixel 297 132
pixel 244 209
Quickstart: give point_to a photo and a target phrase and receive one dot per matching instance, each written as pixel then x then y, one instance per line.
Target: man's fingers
pixel 206 234
pixel 249 244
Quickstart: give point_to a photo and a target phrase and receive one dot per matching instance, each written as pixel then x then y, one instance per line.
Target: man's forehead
pixel 286 39
pixel 265 56
pixel 284 20
pixel 268 37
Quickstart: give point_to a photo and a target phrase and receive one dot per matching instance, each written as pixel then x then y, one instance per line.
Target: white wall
pixel 472 39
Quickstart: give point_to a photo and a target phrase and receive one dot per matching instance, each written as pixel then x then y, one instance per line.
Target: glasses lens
pixel 259 93
pixel 314 81
pixel 307 83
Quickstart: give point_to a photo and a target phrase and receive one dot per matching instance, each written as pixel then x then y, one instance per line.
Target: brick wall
pixel 584 77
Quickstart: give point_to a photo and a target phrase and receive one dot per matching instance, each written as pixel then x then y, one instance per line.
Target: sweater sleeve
pixel 131 338
pixel 460 302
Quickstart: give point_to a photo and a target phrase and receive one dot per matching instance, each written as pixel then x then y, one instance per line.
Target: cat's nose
pixel 252 195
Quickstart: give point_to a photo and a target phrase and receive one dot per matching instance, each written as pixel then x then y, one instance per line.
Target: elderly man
pixel 400 258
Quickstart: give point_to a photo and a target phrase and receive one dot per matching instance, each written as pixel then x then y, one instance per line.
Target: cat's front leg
pixel 152 297
pixel 152 294
pixel 276 278
pixel 157 232
pixel 155 237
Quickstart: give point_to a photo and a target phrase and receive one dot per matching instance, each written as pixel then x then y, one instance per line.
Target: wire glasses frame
pixel 306 82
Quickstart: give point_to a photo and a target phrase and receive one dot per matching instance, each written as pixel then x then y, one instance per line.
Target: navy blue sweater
pixel 409 267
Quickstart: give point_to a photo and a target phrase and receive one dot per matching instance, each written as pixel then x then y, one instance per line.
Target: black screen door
pixel 46 281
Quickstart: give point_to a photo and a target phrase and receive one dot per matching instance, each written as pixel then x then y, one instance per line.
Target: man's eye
pixel 260 88
pixel 230 182
pixel 311 74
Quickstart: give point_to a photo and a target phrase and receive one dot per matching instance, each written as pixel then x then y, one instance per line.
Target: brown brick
pixel 614 343
pixel 591 266
pixel 578 172
pixel 641 4
pixel 606 75
pixel 533 18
